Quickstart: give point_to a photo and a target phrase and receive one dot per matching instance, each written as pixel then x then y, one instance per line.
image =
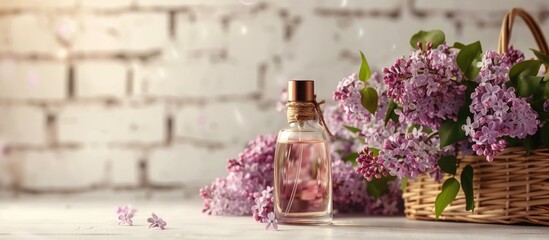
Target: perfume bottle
pixel 303 169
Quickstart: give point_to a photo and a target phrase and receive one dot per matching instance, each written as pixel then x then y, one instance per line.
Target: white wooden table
pixel 63 219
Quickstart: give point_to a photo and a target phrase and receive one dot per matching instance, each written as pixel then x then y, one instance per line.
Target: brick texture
pixel 157 94
pixel 177 165
pixel 32 132
pixel 33 80
pixel 62 170
pixel 111 124
pixel 101 79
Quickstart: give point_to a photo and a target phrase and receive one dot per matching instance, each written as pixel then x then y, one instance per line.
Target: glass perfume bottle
pixel 303 169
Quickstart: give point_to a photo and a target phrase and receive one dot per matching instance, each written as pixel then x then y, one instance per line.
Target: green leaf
pixel 391 112
pixel 524 68
pixel 546 91
pixel 450 189
pixel 467 186
pixel 364 72
pixel 512 142
pixel 458 45
pixel 471 86
pixel 450 132
pixel 378 186
pixel 375 151
pixel 467 59
pixel 369 99
pixel 542 57
pixel 436 37
pixel 350 158
pixel 403 184
pixel 352 129
pixel 448 164
pixel 530 143
pixel 544 133
pixel 528 85
pixel 543 116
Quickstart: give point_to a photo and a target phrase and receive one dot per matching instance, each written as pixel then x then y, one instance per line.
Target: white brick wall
pixel 178 164
pixel 62 169
pixel 105 4
pixel 34 4
pixel 124 167
pixel 147 94
pixel 101 79
pixel 196 78
pixel 32 33
pixel 95 29
pixel 227 122
pixel 31 133
pixel 33 80
pixel 111 124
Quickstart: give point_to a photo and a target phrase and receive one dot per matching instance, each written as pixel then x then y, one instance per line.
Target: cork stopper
pixel 301 91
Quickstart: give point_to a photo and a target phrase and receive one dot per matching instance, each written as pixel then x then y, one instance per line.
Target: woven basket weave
pixel 514 188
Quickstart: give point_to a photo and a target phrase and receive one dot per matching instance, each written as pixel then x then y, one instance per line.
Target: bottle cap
pixel 301 90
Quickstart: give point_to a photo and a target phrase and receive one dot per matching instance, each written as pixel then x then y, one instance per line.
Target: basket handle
pixel 507 27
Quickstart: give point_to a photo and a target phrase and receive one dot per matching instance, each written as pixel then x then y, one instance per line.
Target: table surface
pixel 62 219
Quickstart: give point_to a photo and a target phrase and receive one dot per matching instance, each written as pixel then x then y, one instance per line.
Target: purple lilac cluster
pixel 411 154
pixel 348 95
pixel 263 205
pixel 350 193
pixel 349 190
pixel 372 127
pixel 497 111
pixel 336 121
pixel 426 86
pixel 495 67
pixel 249 174
pixel 389 204
pixel 370 166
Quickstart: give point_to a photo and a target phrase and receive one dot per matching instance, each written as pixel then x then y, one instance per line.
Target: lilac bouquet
pixel 248 187
pixel 441 100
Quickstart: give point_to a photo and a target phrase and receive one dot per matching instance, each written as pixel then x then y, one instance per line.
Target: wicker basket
pixel 514 188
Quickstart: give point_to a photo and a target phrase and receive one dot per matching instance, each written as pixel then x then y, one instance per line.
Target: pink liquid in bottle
pixel 303 191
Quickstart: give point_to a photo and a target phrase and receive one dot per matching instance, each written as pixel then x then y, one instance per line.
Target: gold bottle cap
pixel 301 90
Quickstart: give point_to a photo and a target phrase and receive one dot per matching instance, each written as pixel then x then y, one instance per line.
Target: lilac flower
pixel 249 174
pixel 263 204
pixel 369 165
pixel 495 67
pixel 271 221
pixel 125 214
pixel 349 190
pixel 348 94
pixel 389 204
pixel 372 127
pixel 497 111
pixel 155 221
pixel 427 86
pixel 546 105
pixel 411 154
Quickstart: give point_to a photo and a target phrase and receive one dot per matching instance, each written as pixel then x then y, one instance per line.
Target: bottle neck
pixel 301 111
pixel 307 111
pixel 305 124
